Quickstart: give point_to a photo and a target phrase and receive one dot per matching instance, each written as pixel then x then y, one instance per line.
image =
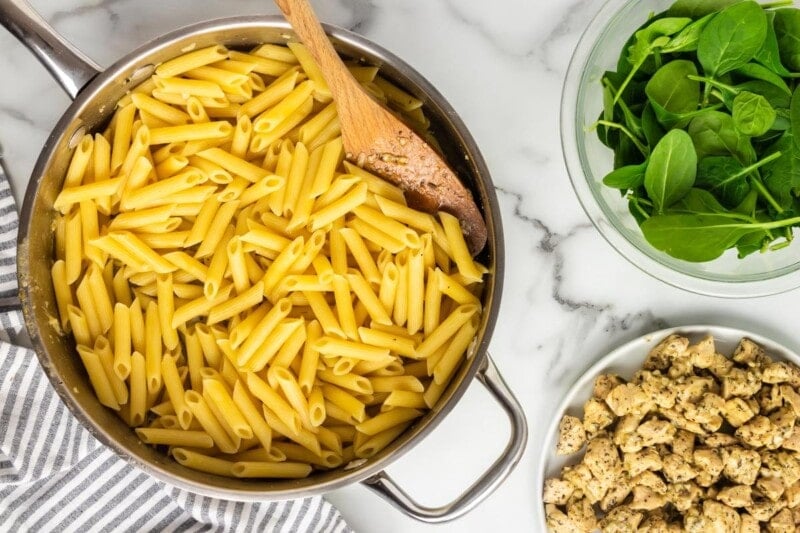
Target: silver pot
pixel 95 92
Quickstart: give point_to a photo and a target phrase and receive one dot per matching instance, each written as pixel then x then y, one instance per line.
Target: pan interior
pixel 91 112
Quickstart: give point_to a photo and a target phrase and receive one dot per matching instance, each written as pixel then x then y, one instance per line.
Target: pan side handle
pixel 68 65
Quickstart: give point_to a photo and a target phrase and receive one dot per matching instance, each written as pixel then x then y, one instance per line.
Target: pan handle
pixel 71 69
pixel 388 489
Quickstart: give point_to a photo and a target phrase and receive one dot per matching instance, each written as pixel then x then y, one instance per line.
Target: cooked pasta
pixel 240 295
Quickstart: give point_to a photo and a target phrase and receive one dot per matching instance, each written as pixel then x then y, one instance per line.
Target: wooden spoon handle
pixel 308 29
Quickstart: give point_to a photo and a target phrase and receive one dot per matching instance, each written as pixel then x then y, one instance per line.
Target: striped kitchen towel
pixel 54 476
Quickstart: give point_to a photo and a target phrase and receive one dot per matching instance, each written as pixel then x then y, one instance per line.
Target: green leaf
pixel 782 176
pixel 697 8
pixel 714 133
pixel 671 171
pixel 695 237
pixel 794 115
pixel 732 38
pixel 777 98
pixel 787 33
pixel 699 201
pixel 722 176
pixel 752 114
pixel 651 127
pixel 672 89
pixel 752 243
pixel 769 55
pixel 686 40
pixel 627 177
pixel 760 72
pixel 748 205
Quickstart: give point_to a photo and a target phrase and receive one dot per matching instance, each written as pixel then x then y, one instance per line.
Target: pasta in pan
pixel 237 292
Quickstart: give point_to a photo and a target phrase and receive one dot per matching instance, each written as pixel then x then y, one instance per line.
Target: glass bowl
pixel 588 161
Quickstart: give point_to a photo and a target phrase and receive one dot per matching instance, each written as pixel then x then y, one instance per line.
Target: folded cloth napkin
pixel 54 476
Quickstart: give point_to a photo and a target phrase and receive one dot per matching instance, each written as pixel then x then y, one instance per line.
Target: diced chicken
pixel 596 416
pixel 757 432
pixel 770 487
pixel 736 496
pixel 782 522
pixel 736 411
pixel 655 431
pixel 741 465
pixel 749 524
pixel 557 521
pixel 792 495
pixel 709 462
pixel 603 460
pixel 793 441
pixel 748 352
pixel 763 510
pixel 769 399
pixel 628 399
pixel 659 388
pixel 683 444
pixel 605 383
pixel 582 514
pixel 622 519
pixel 790 397
pixel 646 459
pixel 571 435
pixel 646 499
pixel 616 494
pixel 557 491
pixel 684 495
pixel 677 470
pixel 719 440
pixel 723 517
pixel 781 465
pixel 777 372
pixel 739 382
pixel 663 354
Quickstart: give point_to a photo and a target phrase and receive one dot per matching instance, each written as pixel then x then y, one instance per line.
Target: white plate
pixel 625 361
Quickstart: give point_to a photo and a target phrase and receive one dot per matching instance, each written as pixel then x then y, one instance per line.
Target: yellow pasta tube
pixel 216 230
pixel 329 160
pixel 322 92
pixel 194 359
pixel 123 132
pixel 191 132
pixel 175 391
pixel 283 470
pixel 218 266
pixel 160 110
pixel 371 446
pixel 203 463
pixel 392 383
pixel 163 191
pixel 79 162
pixel 366 295
pixel 79 326
pixel 272 117
pixel 401 345
pixel 446 329
pixel 316 407
pixel 416 291
pixel 376 185
pixel 455 352
pixel 175 437
pixel 225 404
pixel 387 291
pixel 295 179
pixel 98 378
pixel 352 382
pixel 376 236
pixel 400 231
pixel 122 341
pixel 89 191
pixel 191 60
pixel 345 401
pixel 356 350
pixel 281 265
pixel 138 390
pixel 262 330
pixel 404 215
pixel 275 403
pixel 239 304
pixel 137 327
pixel 73 246
pixel 189 87
pixel 458 247
pixel 388 419
pixel 100 297
pixel 153 348
pixel 292 392
pixel 261 429
pixel 203 414
pixel 235 165
pixel 264 354
pixel 63 293
pixel 361 254
pixel 140 251
pixel 166 309
pixel 198 307
pixel 103 350
pixel 273 94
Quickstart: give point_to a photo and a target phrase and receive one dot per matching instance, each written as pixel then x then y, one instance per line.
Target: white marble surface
pixel 569 297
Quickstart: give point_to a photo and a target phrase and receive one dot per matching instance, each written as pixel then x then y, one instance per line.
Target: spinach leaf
pixel 697 8
pixel 782 176
pixel 748 205
pixel 698 201
pixel 724 176
pixel 650 126
pixel 769 55
pixel 794 115
pixel 760 72
pixel 686 40
pixel 752 243
pixel 714 133
pixel 678 120
pixel 752 114
pixel 672 169
pixel 787 32
pixel 695 237
pixel 777 98
pixel 732 38
pixel 627 177
pixel 672 89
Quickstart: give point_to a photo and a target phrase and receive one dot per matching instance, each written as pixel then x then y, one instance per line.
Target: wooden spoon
pixel 375 139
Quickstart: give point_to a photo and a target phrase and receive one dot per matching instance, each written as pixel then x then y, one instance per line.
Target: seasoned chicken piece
pixel 763 510
pixel 581 513
pixel 684 495
pixel 646 499
pixel 736 411
pixel 739 382
pixel 695 522
pixel 770 487
pixel 625 435
pixel 692 388
pixel 655 431
pixel 662 355
pixel 702 352
pixel 719 440
pixel 683 444
pixel 558 522
pixel 578 475
pixel 741 465
pixel 723 517
pixel 571 435
pixel 709 465
pixel 628 399
pixel 622 519
pixel 749 524
pixel 659 388
pixel 650 480
pixel 595 489
pixel 603 460
pixel 677 470
pixel 557 491
pixel 757 432
pixel 769 398
pixel 792 495
pixel 790 397
pixel 736 496
pixel 782 522
pixel 616 493
pixel 784 419
pixel 748 353
pixel 605 383
pixel 681 368
pixel 681 422
pixel 778 372
pixel 782 465
pixel 596 416
pixel 792 442
pixel 646 459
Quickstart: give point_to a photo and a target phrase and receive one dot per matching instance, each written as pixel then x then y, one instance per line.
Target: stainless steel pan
pixel 95 92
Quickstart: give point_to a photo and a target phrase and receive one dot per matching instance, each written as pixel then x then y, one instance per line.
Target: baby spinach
pixel 671 171
pixel 732 38
pixel 703 115
pixel 752 114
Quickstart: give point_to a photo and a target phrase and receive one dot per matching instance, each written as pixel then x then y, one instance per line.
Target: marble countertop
pixel 569 297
